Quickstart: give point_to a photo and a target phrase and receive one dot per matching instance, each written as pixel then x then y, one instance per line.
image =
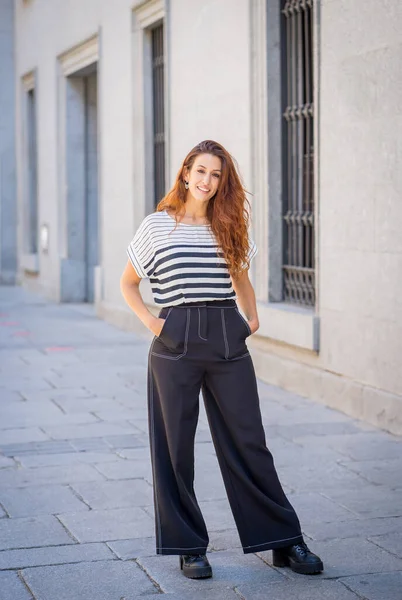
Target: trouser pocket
pixel 173 338
pixel 235 331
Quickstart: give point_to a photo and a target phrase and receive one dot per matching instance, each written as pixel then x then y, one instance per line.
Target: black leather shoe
pixel 299 558
pixel 195 566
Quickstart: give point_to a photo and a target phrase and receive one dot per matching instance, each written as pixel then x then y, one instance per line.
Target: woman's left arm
pixel 246 299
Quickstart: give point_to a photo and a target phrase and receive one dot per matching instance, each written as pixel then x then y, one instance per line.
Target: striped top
pixel 183 264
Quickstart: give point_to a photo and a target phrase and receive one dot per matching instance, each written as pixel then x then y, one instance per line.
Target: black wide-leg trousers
pixel 202 346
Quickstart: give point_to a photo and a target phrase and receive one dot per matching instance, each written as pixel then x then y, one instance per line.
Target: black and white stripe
pixel 183 264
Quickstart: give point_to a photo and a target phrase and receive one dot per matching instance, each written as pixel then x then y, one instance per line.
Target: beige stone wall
pixel 360 285
pixel 209 79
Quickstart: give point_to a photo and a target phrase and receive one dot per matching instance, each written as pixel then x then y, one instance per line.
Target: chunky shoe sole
pixel 195 572
pixel 282 560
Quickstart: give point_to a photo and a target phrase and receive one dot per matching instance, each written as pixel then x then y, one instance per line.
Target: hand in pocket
pixel 157 326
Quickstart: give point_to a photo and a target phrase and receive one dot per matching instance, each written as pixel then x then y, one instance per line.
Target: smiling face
pixel 203 177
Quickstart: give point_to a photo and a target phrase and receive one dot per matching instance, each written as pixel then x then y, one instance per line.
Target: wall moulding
pixel 28 81
pixel 148 13
pixel 80 56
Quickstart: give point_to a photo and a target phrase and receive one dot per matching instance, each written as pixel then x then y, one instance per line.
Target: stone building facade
pixel 305 94
pixel 8 212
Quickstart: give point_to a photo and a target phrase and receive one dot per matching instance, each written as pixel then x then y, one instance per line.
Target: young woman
pixel 196 251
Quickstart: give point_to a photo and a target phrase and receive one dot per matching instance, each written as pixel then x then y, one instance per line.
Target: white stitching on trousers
pixel 199 326
pixel 273 541
pixel 224 333
pixel 244 320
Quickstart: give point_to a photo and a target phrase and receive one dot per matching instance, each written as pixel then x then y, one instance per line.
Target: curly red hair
pixel 228 211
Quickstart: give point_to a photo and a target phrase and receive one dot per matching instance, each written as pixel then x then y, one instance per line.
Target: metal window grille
pixel 158 113
pixel 298 138
pixel 32 207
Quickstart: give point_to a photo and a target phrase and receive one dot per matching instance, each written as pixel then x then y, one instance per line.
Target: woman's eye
pixel 216 175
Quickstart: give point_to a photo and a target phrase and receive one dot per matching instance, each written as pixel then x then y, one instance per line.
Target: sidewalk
pixel 76 513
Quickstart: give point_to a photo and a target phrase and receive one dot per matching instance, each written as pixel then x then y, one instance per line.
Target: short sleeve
pixel 140 251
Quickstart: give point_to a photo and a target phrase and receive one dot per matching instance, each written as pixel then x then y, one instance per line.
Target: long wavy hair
pixel 228 211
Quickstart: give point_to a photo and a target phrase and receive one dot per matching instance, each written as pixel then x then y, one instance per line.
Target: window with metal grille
pixel 298 152
pixel 32 159
pixel 158 113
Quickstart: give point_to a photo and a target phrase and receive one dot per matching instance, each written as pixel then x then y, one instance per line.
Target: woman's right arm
pixel 130 288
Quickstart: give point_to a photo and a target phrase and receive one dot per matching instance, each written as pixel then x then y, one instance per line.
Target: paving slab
pixel 7 395
pixel 392 542
pixel 356 528
pixel 219 594
pixel 48 475
pixel 217 514
pixel 318 429
pixel 142 425
pixel 305 414
pixel 304 588
pixel 94 444
pixel 314 507
pixel 121 413
pixel 21 434
pixel 132 440
pixel 139 454
pixel 287 453
pixel 126 469
pixel 224 540
pixel 107 525
pixel 31 532
pixel 91 404
pixel 100 429
pixel 46 447
pixel 6 462
pixel 40 414
pixel 68 458
pixel 55 394
pixel 378 501
pixel 40 500
pixel 106 580
pixel 384 586
pixel 112 354
pixel 360 446
pixel 53 555
pixel 12 588
pixel 130 549
pixel 305 478
pixel 381 472
pixel 208 482
pixel 29 385
pixel 115 494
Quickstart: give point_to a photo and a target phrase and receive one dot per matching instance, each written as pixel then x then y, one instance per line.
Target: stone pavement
pixel 76 514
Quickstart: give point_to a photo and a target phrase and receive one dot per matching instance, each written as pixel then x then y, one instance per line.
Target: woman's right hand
pixel 157 326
